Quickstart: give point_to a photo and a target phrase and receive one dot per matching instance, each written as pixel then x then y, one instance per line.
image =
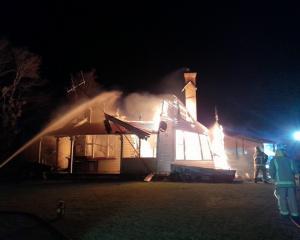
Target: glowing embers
pixel 220 157
pixel 192 146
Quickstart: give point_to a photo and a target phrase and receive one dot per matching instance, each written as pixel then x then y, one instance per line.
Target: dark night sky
pixel 247 56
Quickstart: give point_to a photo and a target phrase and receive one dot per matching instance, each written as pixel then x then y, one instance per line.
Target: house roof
pixel 112 126
pixel 193 127
pixel 249 138
pixel 141 133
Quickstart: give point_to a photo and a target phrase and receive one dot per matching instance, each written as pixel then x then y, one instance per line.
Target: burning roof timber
pixel 143 129
pixel 184 118
pixel 112 125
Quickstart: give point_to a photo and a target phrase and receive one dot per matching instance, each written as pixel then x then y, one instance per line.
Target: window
pixel 179 145
pixel 205 147
pixel 192 146
pixel 105 146
pixel 132 148
pixel 148 147
pixel 189 147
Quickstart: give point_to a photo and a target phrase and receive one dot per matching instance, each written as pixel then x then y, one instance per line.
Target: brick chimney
pixel 190 93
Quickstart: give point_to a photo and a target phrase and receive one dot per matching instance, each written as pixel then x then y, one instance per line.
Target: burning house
pixel 112 144
pixel 93 138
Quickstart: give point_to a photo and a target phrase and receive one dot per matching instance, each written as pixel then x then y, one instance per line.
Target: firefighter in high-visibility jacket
pixel 260 160
pixel 282 171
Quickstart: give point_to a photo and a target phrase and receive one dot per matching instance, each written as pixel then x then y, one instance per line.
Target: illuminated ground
pixel 154 210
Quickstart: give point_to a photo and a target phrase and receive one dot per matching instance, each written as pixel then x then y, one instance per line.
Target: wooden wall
pixel 240 152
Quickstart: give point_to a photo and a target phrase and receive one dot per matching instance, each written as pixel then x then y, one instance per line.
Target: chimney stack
pixel 190 93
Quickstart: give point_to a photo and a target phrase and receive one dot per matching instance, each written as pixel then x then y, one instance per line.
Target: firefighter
pixel 260 160
pixel 282 171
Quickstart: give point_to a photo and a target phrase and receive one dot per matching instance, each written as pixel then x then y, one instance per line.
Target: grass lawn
pixel 156 210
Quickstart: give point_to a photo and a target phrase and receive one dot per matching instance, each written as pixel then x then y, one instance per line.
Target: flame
pixel 156 120
pixel 160 109
pixel 217 143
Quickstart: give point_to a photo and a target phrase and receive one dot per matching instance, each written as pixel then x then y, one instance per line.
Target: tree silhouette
pixel 19 74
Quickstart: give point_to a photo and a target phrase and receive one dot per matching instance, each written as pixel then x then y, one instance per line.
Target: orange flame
pixel 217 143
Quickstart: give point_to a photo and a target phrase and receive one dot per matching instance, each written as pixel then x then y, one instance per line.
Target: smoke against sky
pixel 141 106
pixel 246 55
